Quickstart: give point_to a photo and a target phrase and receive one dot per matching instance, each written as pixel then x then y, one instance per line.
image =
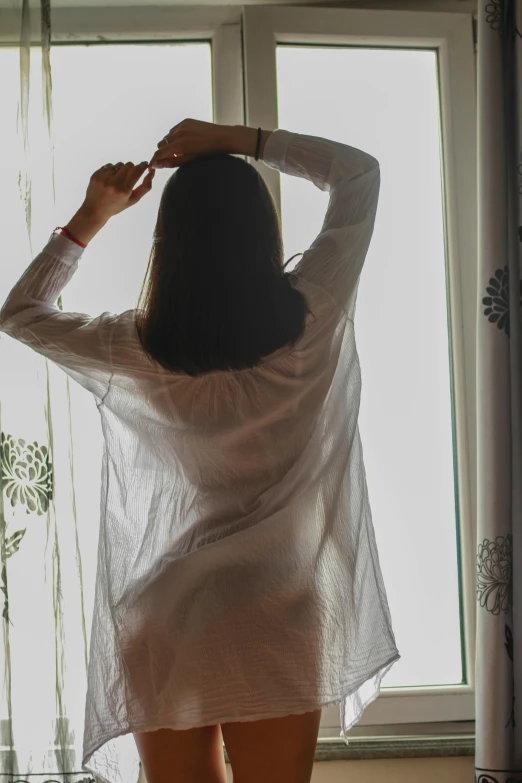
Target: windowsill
pixel 388 742
pixel 395 747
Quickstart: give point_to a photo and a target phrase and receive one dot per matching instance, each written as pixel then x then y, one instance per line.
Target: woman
pixel 238 586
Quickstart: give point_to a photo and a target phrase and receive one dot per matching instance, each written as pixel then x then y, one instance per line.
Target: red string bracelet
pixel 69 235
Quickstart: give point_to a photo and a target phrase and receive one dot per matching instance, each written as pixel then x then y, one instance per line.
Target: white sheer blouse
pixel 238 576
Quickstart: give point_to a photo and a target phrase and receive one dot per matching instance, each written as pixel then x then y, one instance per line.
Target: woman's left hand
pixel 110 189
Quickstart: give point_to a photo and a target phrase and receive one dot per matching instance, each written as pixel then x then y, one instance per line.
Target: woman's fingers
pixel 168 161
pixel 104 170
pixel 163 152
pixel 172 163
pixel 169 147
pixel 132 174
pixel 144 188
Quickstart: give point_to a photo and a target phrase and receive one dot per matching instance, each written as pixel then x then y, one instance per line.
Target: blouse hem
pixel 379 672
pixel 382 668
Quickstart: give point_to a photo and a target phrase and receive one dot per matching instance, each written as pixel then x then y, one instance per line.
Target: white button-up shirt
pixel 238 575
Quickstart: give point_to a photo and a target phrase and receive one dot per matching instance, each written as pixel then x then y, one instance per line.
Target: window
pixel 111 101
pixel 373 79
pixel 380 81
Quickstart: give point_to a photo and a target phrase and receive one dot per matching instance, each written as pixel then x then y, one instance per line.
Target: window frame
pixel 451 36
pixel 243 43
pixel 221 25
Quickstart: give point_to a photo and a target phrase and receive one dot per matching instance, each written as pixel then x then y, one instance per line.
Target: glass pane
pixel 110 103
pixel 386 102
pixel 142 91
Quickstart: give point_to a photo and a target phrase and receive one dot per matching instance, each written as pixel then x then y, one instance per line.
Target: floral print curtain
pixel 498 715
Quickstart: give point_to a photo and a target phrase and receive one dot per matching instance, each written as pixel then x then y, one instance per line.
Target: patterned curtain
pixel 498 755
pixel 47 592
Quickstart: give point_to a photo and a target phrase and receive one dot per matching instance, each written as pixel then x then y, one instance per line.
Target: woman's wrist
pixel 85 224
pixel 244 140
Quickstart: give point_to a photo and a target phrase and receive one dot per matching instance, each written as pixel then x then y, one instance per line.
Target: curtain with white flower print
pixel 48 521
pixel 498 714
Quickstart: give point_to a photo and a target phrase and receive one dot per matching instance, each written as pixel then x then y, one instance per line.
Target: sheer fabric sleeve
pixel 352 178
pixel 78 343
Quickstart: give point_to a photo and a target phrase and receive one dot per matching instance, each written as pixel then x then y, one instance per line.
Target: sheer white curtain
pixel 46 534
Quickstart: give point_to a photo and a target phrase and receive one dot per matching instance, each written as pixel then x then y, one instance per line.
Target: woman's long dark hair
pixel 216 296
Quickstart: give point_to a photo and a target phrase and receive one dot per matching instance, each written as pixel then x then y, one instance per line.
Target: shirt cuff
pixel 60 246
pixel 276 147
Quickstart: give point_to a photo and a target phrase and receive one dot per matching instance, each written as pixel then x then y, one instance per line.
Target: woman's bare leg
pixel 182 756
pixel 278 750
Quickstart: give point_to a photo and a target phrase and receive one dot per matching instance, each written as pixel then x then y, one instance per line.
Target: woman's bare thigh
pixel 182 756
pixel 279 750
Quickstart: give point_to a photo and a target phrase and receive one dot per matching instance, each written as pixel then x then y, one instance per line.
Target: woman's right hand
pixel 190 139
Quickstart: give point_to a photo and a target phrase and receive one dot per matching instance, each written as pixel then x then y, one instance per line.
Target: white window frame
pixel 221 25
pixel 451 35
pixel 249 60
